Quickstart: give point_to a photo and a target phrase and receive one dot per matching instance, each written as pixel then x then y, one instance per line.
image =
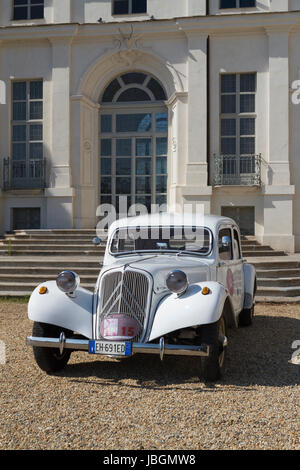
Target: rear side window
pixel 236 245
pixel 225 250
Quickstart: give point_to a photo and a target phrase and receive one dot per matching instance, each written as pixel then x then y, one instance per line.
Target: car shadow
pixel 257 355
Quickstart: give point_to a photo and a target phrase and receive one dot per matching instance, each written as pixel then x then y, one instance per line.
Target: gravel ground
pixel 141 403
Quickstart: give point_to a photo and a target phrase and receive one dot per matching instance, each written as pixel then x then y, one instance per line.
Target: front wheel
pixel 214 335
pixel 49 359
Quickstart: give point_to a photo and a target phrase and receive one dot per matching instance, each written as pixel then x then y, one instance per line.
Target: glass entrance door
pixel 133 141
pixel 133 158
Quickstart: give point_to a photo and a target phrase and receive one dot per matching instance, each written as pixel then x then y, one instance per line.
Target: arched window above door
pixel 133 87
pixel 133 141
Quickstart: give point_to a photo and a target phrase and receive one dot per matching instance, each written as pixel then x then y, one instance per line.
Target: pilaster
pixel 278 192
pixel 85 158
pixel 60 193
pixel 60 173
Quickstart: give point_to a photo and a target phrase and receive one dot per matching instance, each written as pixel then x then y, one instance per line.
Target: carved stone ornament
pixel 127 46
pixel 87 145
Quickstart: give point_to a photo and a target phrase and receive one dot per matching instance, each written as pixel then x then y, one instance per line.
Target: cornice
pixel 84 99
pixel 198 26
pixel 51 32
pixel 178 96
pixel 278 28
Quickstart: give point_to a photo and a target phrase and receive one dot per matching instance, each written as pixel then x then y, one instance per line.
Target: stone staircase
pixel 29 257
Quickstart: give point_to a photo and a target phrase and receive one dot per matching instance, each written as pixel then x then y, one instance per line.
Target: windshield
pixel 195 240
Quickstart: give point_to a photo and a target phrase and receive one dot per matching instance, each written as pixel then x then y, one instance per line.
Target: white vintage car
pixel 167 286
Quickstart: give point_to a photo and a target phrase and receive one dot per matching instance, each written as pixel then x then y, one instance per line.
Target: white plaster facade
pixel 185 45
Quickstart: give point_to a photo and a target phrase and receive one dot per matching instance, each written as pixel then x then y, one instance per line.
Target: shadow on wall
pixel 258 355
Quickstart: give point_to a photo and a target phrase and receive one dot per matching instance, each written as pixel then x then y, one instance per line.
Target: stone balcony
pixel 23 174
pixel 236 170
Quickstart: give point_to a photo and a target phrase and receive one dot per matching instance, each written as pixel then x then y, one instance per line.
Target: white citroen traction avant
pixel 168 285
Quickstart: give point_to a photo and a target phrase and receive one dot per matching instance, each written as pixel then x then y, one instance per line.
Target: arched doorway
pixel 133 141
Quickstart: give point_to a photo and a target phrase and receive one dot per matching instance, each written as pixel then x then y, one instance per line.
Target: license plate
pixel 110 348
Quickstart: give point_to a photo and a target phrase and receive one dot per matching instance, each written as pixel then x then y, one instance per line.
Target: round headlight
pixel 177 282
pixel 67 281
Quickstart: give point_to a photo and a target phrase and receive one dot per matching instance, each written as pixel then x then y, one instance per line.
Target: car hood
pixel 159 266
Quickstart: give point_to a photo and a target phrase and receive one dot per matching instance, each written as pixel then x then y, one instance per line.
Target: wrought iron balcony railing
pixel 23 174
pixel 244 170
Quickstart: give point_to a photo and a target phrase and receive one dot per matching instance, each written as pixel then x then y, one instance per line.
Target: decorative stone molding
pixel 125 42
pixel 118 60
pixel 127 46
pixel 87 145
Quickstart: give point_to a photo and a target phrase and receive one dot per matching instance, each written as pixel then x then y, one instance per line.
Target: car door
pixel 237 270
pixel 229 266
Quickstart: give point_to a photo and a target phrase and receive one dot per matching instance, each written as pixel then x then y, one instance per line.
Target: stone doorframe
pixel 85 122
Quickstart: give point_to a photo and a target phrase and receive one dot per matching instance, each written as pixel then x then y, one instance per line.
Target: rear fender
pixel 249 285
pixel 57 308
pixel 190 309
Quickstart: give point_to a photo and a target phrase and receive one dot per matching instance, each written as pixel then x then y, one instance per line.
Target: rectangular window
pixel 27 120
pixel 129 7
pixel 238 92
pixel 28 9
pixel 237 3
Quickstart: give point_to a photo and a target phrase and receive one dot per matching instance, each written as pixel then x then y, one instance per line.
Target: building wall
pixel 89 11
pixel 294 117
pixel 76 62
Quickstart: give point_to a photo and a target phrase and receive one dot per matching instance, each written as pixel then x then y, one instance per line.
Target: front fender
pixel 57 308
pixel 191 309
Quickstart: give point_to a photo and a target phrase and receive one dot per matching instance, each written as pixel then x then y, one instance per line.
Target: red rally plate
pixel 119 327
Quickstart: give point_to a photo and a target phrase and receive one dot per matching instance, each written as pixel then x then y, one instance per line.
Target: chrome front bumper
pixel 145 348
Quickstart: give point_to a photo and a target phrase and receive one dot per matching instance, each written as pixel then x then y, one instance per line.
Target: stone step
pixel 279 282
pixel 278 273
pixel 55 246
pixel 38 278
pixel 56 231
pixel 64 263
pixel 53 252
pixel 47 271
pixel 50 235
pixel 293 291
pixel 262 253
pixel 256 248
pixel 8 288
pixel 276 264
pixel 48 241
pixel 277 299
pixel 250 242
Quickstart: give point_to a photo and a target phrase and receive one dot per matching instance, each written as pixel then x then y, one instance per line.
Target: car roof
pixel 172 219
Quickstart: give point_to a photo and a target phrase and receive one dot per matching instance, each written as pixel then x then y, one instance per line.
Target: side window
pixel 236 245
pixel 225 244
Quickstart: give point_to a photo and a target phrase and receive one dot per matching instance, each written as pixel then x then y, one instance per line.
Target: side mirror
pixel 226 241
pixel 97 241
pixel 162 245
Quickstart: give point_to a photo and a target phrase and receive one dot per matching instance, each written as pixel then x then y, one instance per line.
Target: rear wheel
pixel 215 336
pixel 49 359
pixel 246 316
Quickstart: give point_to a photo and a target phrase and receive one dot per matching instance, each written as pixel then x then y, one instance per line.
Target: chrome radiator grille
pixel 124 293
